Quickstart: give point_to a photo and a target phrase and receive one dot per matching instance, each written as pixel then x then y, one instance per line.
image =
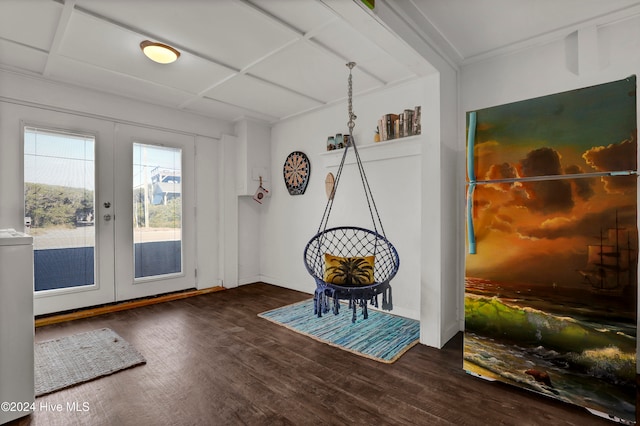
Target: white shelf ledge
pixel 376 151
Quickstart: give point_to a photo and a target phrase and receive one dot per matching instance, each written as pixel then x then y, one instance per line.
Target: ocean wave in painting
pixel 582 361
pixel 531 327
pixel 549 372
pixel 609 363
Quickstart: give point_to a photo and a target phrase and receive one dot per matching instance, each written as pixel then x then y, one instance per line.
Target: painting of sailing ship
pixel 612 264
pixel 551 292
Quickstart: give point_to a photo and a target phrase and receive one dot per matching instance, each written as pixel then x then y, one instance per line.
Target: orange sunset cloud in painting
pixel 534 231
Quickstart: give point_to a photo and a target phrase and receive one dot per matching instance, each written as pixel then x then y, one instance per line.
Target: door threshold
pixel 43 320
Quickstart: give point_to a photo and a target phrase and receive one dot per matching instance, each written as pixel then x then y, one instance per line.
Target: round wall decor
pixel 329 183
pixel 296 171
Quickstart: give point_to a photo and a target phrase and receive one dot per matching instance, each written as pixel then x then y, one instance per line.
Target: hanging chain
pixel 373 210
pixel 351 124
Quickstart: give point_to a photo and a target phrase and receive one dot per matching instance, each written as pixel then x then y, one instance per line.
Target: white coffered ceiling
pixel 267 59
pixel 471 30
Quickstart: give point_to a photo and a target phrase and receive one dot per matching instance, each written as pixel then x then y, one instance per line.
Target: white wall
pixel 288 222
pixel 249 237
pixel 442 285
pixel 555 67
pixel 208 216
pixel 253 163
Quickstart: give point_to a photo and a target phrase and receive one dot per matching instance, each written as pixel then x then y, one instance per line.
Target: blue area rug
pixel 382 337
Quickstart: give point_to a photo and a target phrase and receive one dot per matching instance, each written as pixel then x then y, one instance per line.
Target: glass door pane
pixel 157 210
pixel 59 187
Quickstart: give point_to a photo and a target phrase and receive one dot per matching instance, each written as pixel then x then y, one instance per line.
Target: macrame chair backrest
pixel 350 241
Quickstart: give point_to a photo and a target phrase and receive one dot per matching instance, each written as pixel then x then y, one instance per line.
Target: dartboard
pixel 296 172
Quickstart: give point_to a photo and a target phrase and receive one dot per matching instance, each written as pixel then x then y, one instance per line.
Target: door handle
pixel 107 217
pixel 471 174
pixel 471 233
pixel 471 145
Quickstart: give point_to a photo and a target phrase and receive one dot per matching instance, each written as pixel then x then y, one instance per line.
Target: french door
pixel 154 213
pixel 109 208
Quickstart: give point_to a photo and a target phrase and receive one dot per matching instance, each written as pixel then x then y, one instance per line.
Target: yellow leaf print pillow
pixel 348 271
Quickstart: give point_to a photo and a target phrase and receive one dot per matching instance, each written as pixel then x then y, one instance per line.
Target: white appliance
pixel 16 325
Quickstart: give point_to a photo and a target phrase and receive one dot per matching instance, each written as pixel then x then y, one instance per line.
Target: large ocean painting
pixel 551 294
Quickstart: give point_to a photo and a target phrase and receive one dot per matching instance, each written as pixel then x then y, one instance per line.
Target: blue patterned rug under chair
pixel 382 337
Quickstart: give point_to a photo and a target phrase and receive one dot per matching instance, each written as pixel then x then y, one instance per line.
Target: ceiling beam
pixel 63 24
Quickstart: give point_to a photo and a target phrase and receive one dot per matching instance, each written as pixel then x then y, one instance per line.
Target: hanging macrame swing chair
pixel 349 262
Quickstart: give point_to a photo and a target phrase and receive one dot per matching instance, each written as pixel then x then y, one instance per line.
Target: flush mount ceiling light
pixel 158 52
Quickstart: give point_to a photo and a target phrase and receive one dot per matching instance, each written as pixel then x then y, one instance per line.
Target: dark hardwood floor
pixel 212 361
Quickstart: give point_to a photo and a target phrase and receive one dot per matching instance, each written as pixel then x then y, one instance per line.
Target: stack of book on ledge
pixel 394 126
